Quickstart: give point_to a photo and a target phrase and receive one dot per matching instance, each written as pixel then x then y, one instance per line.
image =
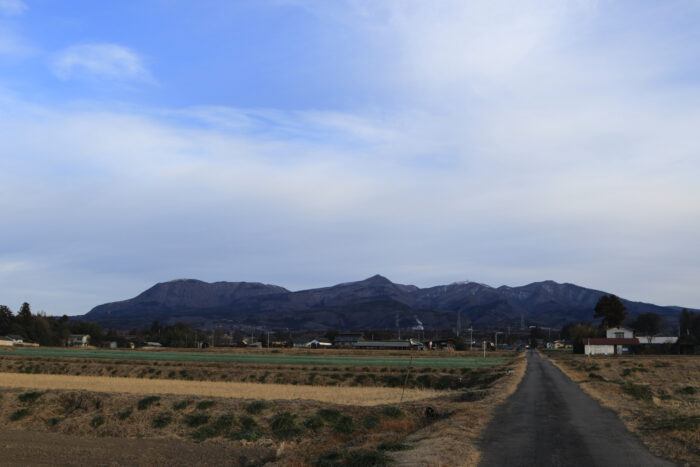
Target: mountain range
pixel 373 303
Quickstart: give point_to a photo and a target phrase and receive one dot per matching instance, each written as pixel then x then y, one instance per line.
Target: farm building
pixel 608 346
pixel 6 341
pixel 16 340
pixel 619 333
pixel 657 340
pixel 79 340
pixel 411 344
pixel 348 339
pixel 315 343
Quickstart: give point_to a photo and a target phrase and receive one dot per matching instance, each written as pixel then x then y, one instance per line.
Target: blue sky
pixel 306 143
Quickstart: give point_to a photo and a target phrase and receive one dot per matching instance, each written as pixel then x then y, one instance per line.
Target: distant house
pixel 619 333
pixel 608 346
pixel 78 340
pixel 315 343
pixel 348 339
pixel 6 341
pixel 16 340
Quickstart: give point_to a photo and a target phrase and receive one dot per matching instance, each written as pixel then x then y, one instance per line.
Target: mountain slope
pixel 374 303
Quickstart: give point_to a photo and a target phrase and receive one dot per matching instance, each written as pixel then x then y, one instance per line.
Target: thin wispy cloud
pixel 12 7
pixel 100 61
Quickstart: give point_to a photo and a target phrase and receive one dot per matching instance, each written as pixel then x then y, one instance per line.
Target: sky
pixel 308 143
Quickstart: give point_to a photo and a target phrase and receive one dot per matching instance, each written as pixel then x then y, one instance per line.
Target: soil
pixel 21 448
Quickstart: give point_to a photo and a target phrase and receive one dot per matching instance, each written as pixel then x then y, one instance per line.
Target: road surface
pixel 550 421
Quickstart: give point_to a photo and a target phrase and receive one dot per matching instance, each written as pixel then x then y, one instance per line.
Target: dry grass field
pixel 363 396
pixel 277 414
pixel 657 397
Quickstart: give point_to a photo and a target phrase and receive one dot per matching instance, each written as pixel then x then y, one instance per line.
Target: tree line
pixel 612 313
pixel 45 330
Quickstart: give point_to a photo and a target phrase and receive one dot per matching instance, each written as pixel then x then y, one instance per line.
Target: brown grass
pixel 336 395
pixel 648 394
pixel 455 441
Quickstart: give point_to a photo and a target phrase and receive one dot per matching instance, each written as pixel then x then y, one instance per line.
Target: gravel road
pixel 550 421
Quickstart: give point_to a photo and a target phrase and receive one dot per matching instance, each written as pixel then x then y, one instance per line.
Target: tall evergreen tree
pixel 612 310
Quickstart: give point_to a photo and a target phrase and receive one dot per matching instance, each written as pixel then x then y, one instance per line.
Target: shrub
pixel 19 414
pixel 204 432
pixel 224 422
pixel 53 421
pixel 256 407
pixel 329 459
pixel 181 404
pixel 424 381
pixel 688 390
pixel 313 423
pixel 329 415
pixel 680 423
pixel 204 405
pixel 196 420
pixel 367 458
pixel 124 414
pixel 249 430
pixel 162 420
pixel 393 446
pixel 391 412
pixel 97 420
pixel 283 425
pixel 146 402
pixel 344 425
pixel 370 421
pixel 29 397
pixel 637 391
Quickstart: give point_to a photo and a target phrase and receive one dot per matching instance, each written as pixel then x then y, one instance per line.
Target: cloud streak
pixel 100 61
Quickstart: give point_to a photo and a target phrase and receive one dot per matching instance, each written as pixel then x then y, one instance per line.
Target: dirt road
pixel 551 421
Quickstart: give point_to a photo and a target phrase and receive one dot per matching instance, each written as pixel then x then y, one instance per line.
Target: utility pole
pixel 397 324
pixel 459 322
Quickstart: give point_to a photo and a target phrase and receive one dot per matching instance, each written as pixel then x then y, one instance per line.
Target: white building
pixel 607 346
pixel 619 333
pixel 80 340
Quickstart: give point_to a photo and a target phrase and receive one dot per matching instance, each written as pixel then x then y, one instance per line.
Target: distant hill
pixel 373 303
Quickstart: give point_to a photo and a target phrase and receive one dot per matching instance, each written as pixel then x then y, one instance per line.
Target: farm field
pixel 362 396
pixel 317 357
pixel 657 397
pixel 298 414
